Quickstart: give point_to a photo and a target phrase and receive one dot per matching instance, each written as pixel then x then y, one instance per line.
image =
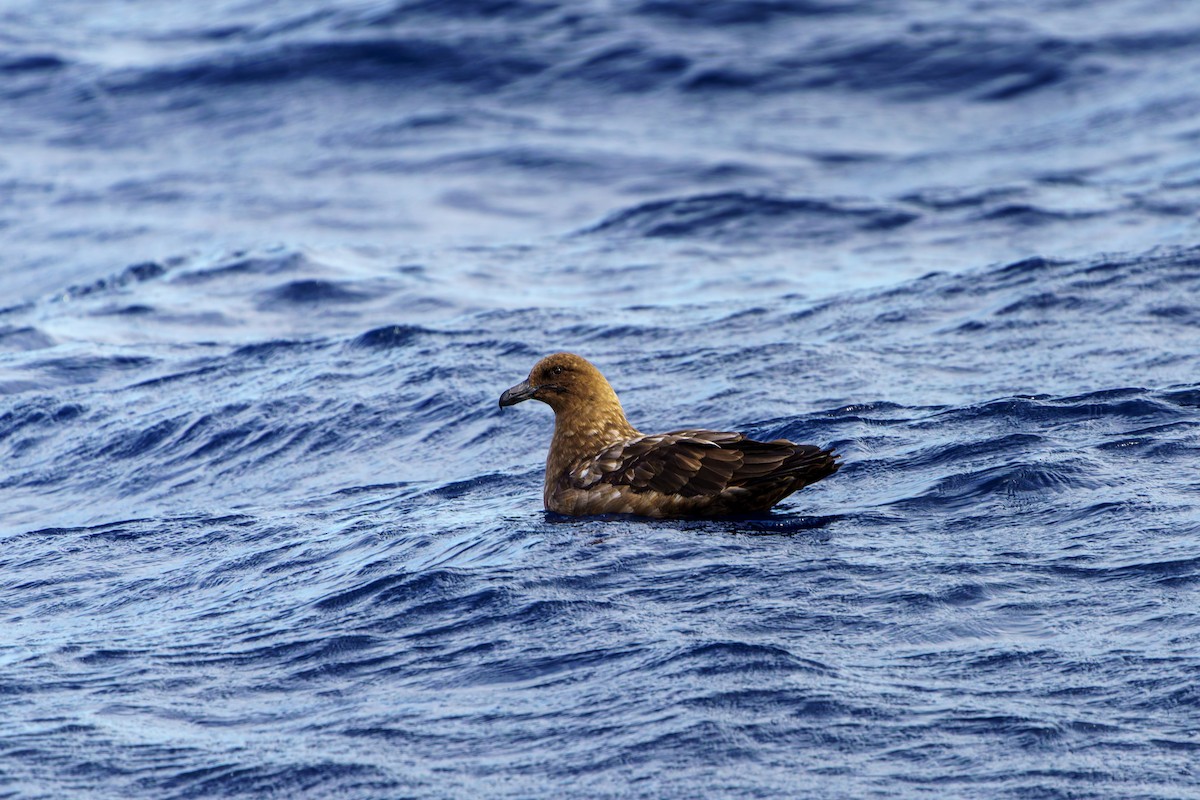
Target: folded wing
pixel 698 463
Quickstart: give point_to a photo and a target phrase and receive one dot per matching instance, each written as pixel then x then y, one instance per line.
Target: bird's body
pixel 600 464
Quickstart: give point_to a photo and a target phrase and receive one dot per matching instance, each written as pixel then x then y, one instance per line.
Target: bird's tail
pixel 809 464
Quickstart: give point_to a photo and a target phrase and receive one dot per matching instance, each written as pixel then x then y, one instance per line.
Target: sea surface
pixel 266 267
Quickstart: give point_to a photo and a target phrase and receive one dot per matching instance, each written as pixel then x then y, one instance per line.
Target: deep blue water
pixel 267 266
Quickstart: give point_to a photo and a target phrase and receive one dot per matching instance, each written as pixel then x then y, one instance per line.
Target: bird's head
pixel 563 381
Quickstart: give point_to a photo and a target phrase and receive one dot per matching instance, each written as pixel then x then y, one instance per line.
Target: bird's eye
pixel 557 369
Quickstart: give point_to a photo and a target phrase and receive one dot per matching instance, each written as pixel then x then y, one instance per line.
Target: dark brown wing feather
pixel 706 463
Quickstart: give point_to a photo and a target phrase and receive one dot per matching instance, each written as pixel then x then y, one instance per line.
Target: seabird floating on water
pixel 600 464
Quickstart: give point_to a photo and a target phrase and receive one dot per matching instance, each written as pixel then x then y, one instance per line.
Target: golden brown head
pixel 563 381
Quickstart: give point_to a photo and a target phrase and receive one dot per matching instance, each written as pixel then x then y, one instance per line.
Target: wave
pixel 740 216
pixel 627 49
pixel 412 62
pixel 745 12
pixel 959 62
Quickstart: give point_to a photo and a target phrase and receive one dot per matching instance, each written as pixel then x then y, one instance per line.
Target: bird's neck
pixel 584 432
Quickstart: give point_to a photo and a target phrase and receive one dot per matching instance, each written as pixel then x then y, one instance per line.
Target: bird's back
pixel 690 473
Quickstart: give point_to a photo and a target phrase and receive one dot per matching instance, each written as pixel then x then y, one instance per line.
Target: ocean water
pixel 267 267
